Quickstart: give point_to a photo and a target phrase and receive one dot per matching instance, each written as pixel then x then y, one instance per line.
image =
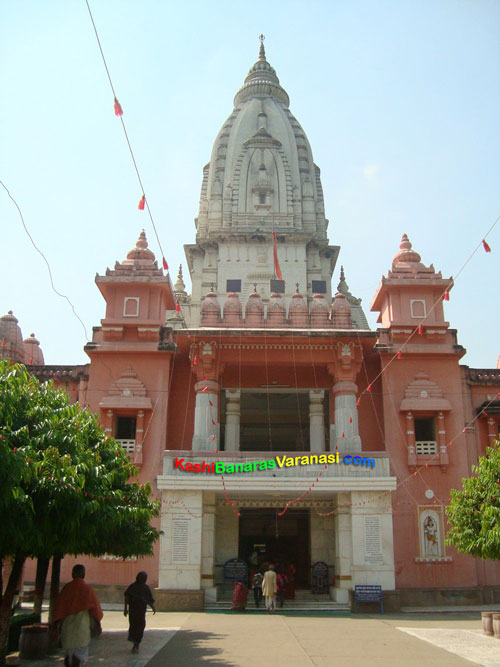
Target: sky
pixel 400 101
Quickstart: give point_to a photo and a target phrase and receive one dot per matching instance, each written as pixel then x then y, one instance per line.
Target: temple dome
pixel 141 252
pixel 210 310
pixel 33 351
pixel 11 339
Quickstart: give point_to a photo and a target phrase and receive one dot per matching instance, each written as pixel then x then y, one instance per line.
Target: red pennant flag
pixel 165 265
pixel 358 401
pixel 486 246
pixel 350 420
pixel 369 388
pixel 277 269
pixel 342 435
pixel 118 108
pixel 204 389
pixel 213 437
pixel 446 296
pixel 195 361
pixel 31 361
pixel 420 329
pixel 142 203
pixel 177 307
pixel 400 354
pixel 211 404
pixel 4 342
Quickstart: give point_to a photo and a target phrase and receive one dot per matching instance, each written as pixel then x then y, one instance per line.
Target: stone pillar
pixel 108 422
pixel 316 420
pixel 206 412
pixel 208 546
pixel 346 417
pixel 441 442
pixel 343 549
pixel 232 435
pixel 139 437
pixel 410 441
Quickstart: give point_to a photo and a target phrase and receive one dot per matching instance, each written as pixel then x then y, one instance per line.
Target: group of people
pixel 273 586
pixel 78 615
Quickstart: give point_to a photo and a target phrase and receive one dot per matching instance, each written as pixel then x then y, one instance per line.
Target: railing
pixel 426 447
pixel 128 445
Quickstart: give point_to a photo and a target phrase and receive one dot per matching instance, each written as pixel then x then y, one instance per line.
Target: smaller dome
pixel 141 250
pixel 210 310
pixel 11 339
pixel 276 311
pixel 405 254
pixel 341 312
pixel 32 351
pixel 297 312
pixel 180 287
pixel 254 310
pixel 319 311
pixel 232 310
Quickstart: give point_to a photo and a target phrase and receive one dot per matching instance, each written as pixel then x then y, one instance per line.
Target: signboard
pixel 373 540
pixel 235 569
pixel 180 540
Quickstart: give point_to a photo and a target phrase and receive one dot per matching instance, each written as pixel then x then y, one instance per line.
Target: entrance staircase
pixel 305 601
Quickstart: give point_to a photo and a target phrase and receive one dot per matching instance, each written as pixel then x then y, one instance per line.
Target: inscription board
pixel 373 540
pixel 180 540
pixel 235 569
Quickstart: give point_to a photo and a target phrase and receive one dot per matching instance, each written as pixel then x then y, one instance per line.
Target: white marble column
pixel 208 546
pixel 316 420
pixel 343 549
pixel 345 435
pixel 232 435
pixel 204 416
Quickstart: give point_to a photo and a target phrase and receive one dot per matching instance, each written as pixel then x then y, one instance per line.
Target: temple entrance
pixel 266 538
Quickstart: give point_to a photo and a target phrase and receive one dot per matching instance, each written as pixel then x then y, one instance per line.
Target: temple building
pixel 271 421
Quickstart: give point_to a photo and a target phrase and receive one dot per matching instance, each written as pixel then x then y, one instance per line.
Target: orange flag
pixel 277 269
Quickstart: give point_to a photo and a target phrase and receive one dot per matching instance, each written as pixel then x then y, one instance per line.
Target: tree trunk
pixel 42 567
pixel 6 605
pixel 54 592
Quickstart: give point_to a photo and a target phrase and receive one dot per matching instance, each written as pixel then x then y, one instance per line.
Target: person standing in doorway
pixel 269 588
pixel 257 580
pixel 137 598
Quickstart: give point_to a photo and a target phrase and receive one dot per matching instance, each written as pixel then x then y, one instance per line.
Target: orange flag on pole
pixel 277 269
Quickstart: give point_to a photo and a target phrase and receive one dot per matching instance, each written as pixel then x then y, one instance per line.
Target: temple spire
pixel 262 51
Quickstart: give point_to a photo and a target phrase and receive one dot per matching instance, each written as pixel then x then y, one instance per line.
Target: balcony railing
pixel 128 445
pixel 426 447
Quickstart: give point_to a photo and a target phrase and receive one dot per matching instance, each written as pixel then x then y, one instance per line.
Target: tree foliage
pixel 474 511
pixel 67 487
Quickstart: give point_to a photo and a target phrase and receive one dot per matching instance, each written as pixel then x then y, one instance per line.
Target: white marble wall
pixel 181 574
pixel 363 570
pixel 226 538
pixel 203 428
pixel 343 549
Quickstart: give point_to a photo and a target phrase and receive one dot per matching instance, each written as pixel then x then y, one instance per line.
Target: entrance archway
pixel 280 540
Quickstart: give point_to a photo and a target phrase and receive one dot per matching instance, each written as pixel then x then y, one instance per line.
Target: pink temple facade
pixel 250 369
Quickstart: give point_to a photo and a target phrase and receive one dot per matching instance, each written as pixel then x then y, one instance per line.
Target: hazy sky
pixel 400 101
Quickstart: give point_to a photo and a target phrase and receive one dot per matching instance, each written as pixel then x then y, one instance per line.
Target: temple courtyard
pixel 245 640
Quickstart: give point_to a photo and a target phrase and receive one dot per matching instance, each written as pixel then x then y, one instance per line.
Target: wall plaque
pixel 373 540
pixel 180 540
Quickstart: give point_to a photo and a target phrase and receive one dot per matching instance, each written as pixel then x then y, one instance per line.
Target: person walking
pixel 257 580
pixel 137 598
pixel 240 596
pixel 269 588
pixel 76 608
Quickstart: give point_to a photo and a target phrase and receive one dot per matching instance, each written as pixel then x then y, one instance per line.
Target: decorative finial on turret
pixel 262 52
pixel 406 252
pixel 343 287
pixel 211 287
pixel 179 287
pixel 255 288
pixel 296 288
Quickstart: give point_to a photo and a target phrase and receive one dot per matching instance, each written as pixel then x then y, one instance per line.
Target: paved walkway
pixel 241 640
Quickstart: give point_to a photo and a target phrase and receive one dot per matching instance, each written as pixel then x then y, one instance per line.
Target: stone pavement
pixel 251 640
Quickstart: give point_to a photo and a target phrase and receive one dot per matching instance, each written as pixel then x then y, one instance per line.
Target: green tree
pixel 474 510
pixel 67 487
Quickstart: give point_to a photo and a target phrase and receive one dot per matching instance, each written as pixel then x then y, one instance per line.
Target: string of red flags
pixel 142 203
pixel 486 246
pixel 118 108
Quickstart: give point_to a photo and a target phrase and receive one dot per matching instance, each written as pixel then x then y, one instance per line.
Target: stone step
pixel 332 607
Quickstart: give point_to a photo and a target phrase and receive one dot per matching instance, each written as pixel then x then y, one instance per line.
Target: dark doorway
pixel 282 540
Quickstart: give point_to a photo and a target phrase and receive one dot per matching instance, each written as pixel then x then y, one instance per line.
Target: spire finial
pixel 343 287
pixel 262 52
pixel 296 288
